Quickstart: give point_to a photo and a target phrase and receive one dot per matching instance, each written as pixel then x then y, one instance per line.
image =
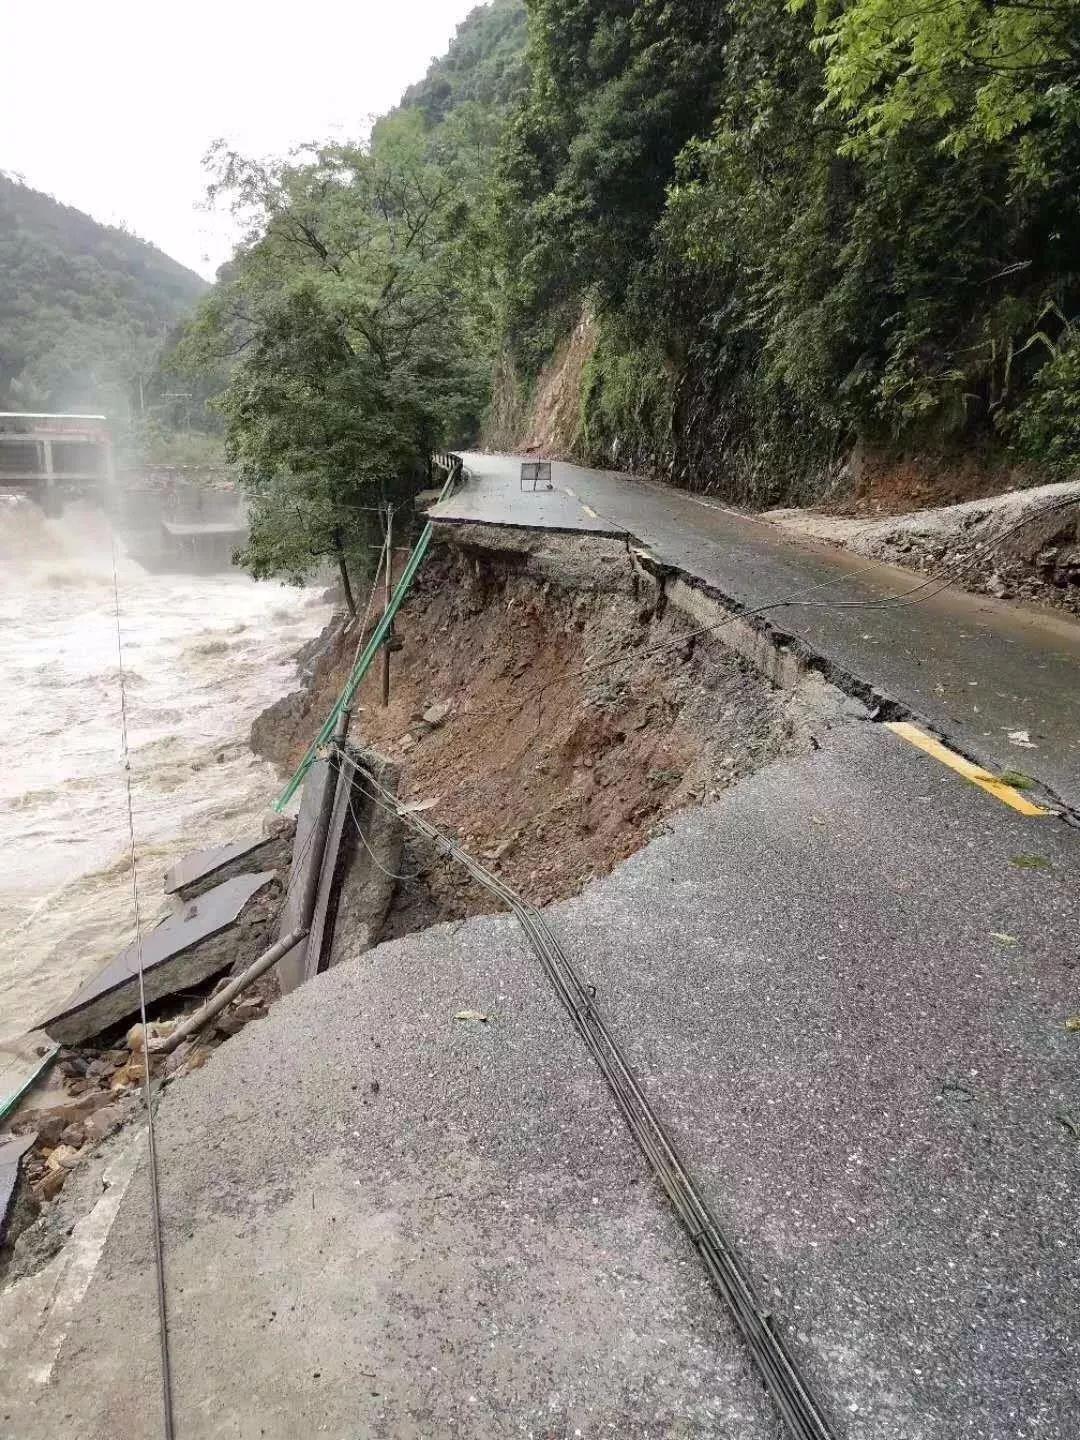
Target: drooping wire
pixel 797 1406
pixel 155 1178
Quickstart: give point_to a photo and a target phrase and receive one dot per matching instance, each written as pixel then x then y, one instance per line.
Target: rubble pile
pixel 94 1091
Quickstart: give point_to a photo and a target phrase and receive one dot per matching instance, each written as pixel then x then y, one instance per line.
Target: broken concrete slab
pixel 324 911
pixel 22 1060
pixel 211 934
pixel 203 869
pixel 309 841
pixel 369 864
pixel 12 1150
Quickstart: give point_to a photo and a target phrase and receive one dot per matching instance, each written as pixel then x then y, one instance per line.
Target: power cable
pixel 155 1180
pixel 390 874
pixel 802 1416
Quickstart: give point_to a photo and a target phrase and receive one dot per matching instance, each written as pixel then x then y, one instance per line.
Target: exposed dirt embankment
pixel 1024 545
pixel 543 699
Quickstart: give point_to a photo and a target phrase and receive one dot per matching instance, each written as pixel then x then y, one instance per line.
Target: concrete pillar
pixel 47 463
pixel 52 503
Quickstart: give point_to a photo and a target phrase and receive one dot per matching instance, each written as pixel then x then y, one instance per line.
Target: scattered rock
pixel 49 1186
pixel 230 1022
pixel 62 1158
pixel 103 1122
pixel 73 1135
pixel 434 715
pixel 51 1122
pixel 130 1074
pixel 273 824
pixel 406 742
pixel 49 1130
pixel 159 1029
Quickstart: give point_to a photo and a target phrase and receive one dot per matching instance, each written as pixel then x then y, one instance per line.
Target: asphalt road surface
pixel 977 669
pixel 846 987
pixel 843 995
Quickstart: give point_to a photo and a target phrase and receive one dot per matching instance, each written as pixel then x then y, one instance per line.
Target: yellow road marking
pixel 1007 794
pixel 590 511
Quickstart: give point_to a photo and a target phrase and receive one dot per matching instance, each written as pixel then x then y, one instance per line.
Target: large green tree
pixel 343 319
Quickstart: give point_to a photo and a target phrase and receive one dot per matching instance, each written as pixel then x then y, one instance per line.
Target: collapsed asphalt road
pixel 845 987
pixel 983 671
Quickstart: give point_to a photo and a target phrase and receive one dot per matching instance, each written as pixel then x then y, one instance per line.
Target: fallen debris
pixel 204 869
pixel 12 1150
pixel 223 927
pixel 1021 545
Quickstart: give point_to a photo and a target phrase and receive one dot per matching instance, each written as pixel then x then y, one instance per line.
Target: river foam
pixel 203 654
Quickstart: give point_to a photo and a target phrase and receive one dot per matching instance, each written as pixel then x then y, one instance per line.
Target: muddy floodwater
pixel 202 655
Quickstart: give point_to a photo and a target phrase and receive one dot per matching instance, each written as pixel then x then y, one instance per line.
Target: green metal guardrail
pixel 371 649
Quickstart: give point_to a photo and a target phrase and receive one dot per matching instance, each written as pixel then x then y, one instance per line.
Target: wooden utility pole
pixel 343 572
pixel 387 584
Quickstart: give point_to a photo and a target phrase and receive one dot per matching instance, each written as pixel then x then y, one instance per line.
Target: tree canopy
pixel 342 317
pixel 793 225
pixel 799 226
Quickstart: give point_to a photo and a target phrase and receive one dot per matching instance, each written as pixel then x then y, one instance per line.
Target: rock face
pixel 273 729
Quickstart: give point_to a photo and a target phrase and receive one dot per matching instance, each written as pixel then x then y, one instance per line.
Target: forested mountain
pixel 83 307
pixel 757 237
pixel 484 66
pixel 796 228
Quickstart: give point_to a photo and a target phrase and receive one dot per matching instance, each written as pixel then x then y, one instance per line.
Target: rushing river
pixel 202 655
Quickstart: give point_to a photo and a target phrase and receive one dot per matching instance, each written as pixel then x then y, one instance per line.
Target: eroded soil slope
pixel 543 697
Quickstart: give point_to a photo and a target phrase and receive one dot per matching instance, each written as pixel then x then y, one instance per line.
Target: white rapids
pixel 203 654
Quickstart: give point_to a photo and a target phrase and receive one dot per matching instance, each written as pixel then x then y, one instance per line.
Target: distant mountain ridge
pixel 84 307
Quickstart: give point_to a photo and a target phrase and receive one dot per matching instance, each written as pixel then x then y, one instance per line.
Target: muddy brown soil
pixel 543 700
pixel 877 483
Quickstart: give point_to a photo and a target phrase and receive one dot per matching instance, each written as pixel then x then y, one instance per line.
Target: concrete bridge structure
pixel 41 452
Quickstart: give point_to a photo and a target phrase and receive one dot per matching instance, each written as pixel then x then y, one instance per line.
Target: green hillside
pixel 484 66
pixel 83 306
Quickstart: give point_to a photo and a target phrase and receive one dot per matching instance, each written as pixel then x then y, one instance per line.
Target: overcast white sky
pixel 111 106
